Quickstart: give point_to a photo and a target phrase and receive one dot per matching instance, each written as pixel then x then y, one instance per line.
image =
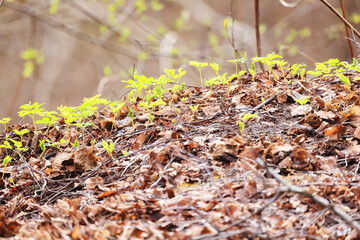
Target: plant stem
pixel 347 31
pixel 257 30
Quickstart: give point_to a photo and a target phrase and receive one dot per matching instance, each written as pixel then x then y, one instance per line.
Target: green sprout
pixel 57 144
pixel 76 144
pixel 199 66
pixel 5 163
pixel 4 121
pixel 31 110
pixel 109 147
pixel 193 109
pixel 42 144
pixel 244 119
pixel 252 71
pixel 115 107
pixel 21 133
pixel 237 61
pixel 345 80
pixel 303 102
pixel 131 114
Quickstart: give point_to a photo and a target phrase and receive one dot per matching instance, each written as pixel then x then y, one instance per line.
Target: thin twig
pixel 341 17
pixel 267 101
pixel 347 30
pixel 320 200
pixel 71 31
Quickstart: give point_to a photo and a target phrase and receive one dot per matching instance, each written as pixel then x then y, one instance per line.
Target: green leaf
pixel 54 6
pixel 107 71
pixel 29 68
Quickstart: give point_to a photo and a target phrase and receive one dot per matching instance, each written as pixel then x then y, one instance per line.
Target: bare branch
pixel 341 17
pixel 257 30
pixel 347 30
pixel 71 31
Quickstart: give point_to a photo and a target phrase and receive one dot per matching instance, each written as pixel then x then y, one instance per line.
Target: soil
pixel 291 174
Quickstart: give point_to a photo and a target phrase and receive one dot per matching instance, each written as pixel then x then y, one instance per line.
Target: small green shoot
pixel 76 144
pixel 4 121
pixel 131 114
pixel 238 61
pixel 244 119
pixel 31 110
pixel 42 144
pixel 21 133
pixel 5 163
pixel 109 147
pixel 345 80
pixel 193 109
pixel 199 66
pixel 303 102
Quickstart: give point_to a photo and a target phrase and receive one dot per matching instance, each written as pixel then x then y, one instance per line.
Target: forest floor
pixel 292 172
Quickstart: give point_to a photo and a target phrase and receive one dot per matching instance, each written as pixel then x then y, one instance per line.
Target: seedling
pixel 244 119
pixel 131 114
pixel 109 147
pixel 6 160
pixel 76 144
pixel 21 133
pixel 31 110
pixel 199 66
pixel 303 102
pixel 42 144
pixel 345 80
pixel 4 121
pixel 48 119
pixel 193 109
pixel 237 61
pixel 252 71
pixel 115 107
pixel 57 144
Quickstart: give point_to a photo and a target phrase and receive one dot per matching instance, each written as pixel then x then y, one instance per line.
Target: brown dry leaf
pixel 352 115
pixel 75 234
pixel 140 140
pixel 8 227
pixel 210 111
pixel 327 163
pixel 85 159
pixel 351 151
pixel 357 133
pixel 286 163
pixel 167 111
pixel 301 110
pixel 251 152
pixel 325 114
pixel 301 154
pixel 335 131
pixel 320 101
pixel 282 98
pixel 106 194
pixel 61 160
pixel 228 148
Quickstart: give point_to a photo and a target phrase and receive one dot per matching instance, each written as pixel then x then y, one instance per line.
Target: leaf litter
pixel 293 173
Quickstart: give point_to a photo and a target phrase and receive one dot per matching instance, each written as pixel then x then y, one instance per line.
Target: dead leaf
pixel 210 111
pixel 85 159
pixel 61 160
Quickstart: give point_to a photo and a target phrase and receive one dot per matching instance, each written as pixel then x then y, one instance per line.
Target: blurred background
pixel 59 51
